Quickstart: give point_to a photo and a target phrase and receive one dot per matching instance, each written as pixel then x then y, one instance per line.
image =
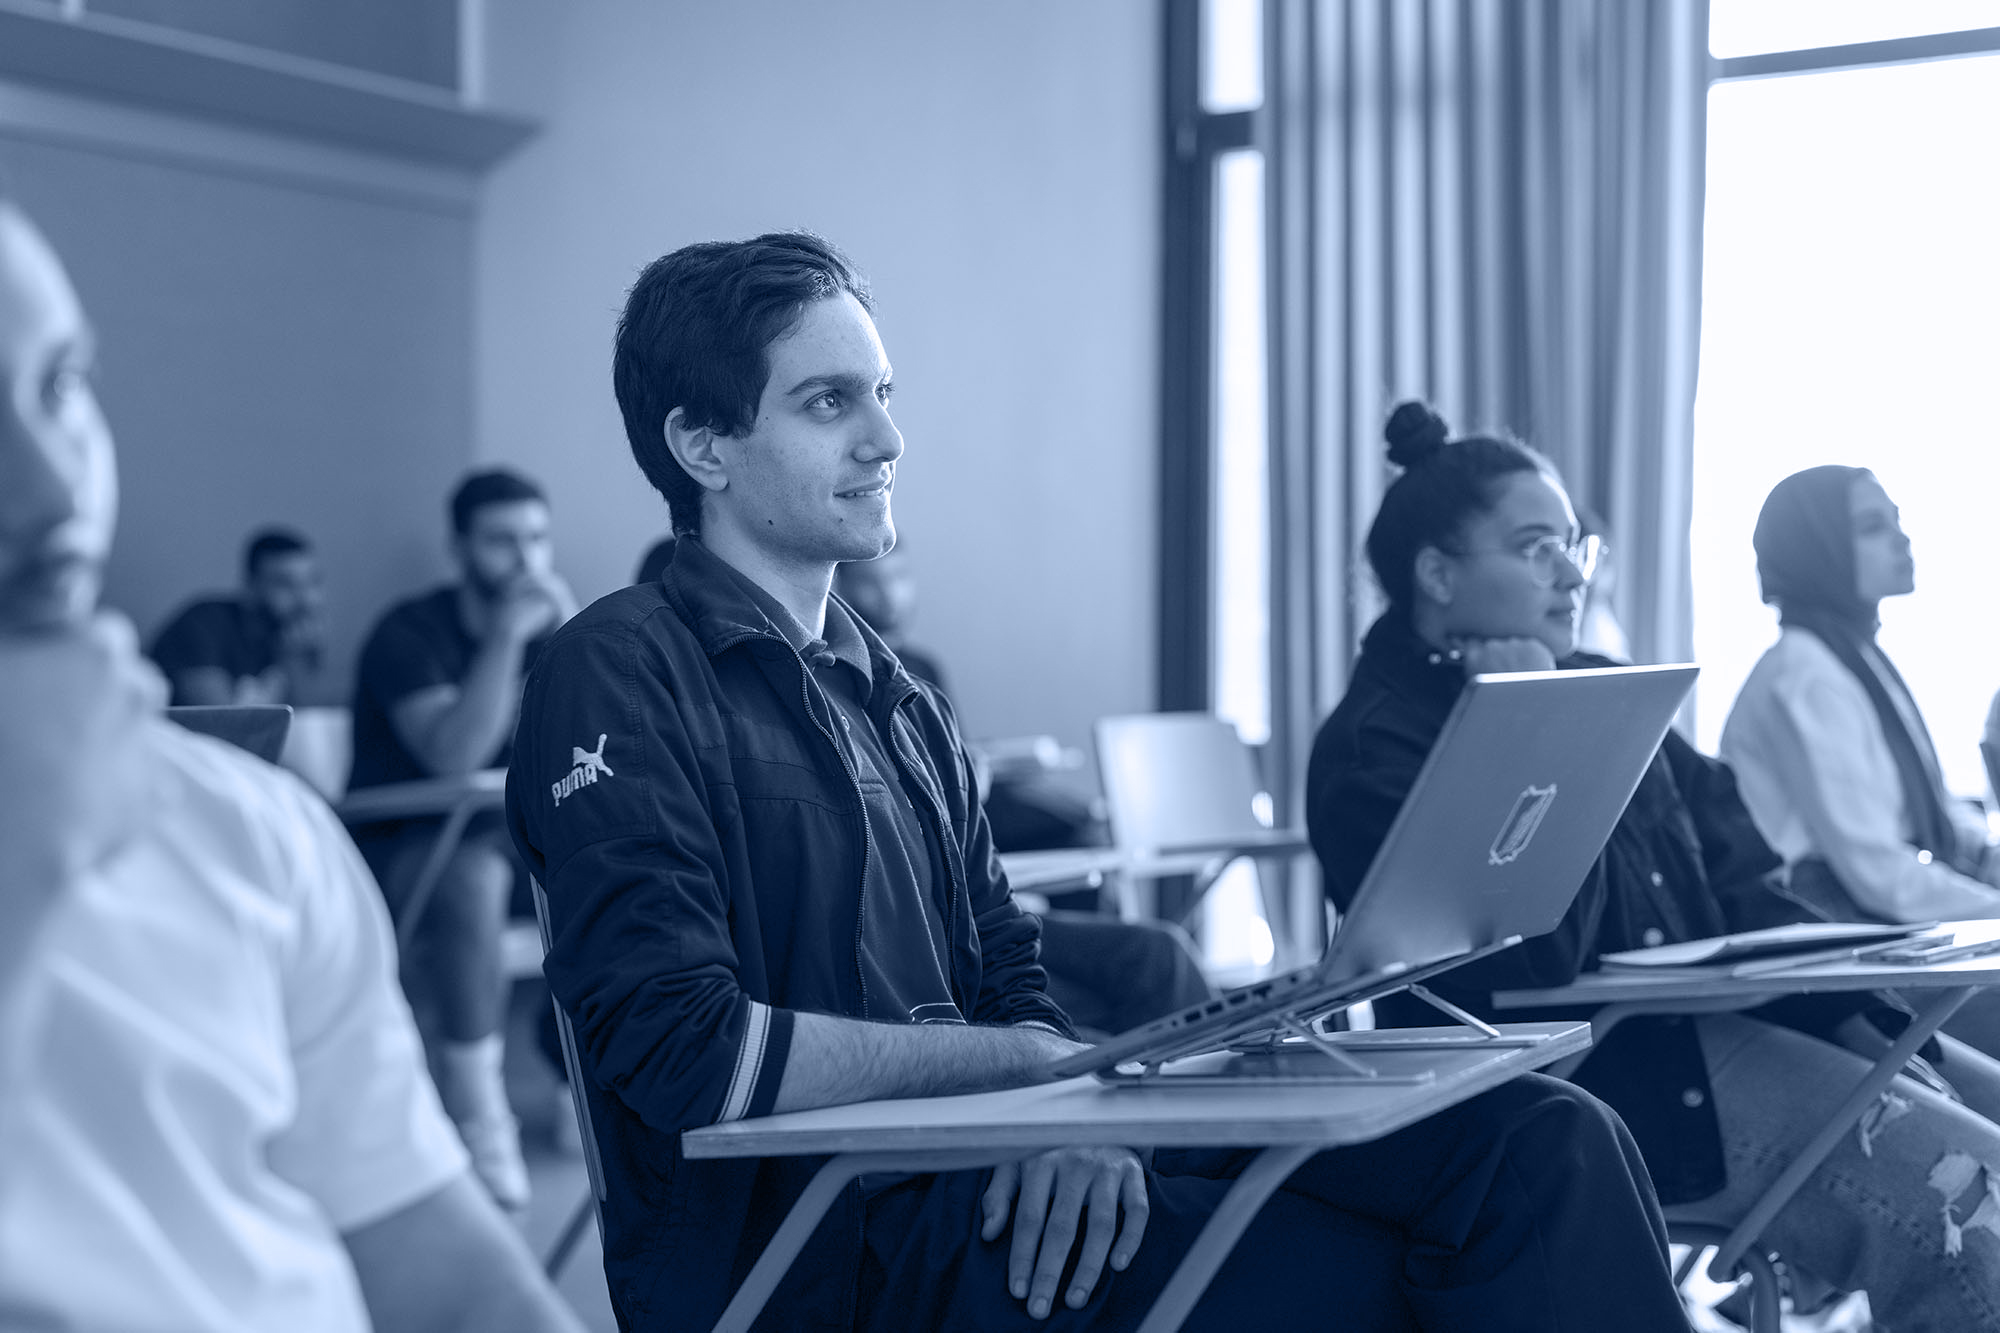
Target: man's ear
pixel 1436 579
pixel 694 448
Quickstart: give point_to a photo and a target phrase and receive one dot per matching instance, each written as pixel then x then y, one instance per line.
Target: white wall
pixel 285 336
pixel 992 166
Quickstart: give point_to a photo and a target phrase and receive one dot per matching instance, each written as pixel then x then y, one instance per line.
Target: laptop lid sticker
pixel 1518 830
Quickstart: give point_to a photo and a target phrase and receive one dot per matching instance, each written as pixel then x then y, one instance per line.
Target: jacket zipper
pixel 941 823
pixel 861 799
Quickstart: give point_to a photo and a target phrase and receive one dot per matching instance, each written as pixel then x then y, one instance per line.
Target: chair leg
pixel 1763 1277
pixel 571 1236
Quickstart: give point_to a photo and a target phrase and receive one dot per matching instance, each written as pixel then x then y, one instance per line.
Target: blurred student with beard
pixel 437 694
pixel 260 645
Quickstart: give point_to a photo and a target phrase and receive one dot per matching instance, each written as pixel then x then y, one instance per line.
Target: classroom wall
pixel 993 167
pixel 285 336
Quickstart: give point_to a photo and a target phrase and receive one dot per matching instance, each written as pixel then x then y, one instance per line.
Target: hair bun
pixel 1415 433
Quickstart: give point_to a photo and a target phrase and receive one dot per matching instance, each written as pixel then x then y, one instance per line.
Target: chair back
pixel 1178 780
pixel 258 728
pixel 592 1162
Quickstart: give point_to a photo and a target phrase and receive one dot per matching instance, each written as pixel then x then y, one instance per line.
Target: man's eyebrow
pixel 840 379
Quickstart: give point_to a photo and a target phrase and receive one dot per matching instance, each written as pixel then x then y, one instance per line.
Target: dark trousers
pixel 1526 1208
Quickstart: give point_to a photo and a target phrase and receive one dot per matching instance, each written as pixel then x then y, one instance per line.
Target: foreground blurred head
pixel 58 483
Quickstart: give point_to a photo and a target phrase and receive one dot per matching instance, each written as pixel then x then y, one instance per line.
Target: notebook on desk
pixel 1514 803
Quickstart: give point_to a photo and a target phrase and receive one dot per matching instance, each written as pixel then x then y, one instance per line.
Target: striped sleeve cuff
pixel 760 1063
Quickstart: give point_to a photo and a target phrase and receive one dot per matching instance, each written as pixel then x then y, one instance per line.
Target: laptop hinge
pixel 1444 1006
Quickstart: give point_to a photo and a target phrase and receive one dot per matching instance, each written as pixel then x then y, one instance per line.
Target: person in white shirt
pixel 214 1113
pixel 1831 754
pixel 1990 748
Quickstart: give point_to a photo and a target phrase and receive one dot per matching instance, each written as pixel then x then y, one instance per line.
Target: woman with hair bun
pixel 1476 546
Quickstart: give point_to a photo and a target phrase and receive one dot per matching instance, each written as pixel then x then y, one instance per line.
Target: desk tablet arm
pixel 457 798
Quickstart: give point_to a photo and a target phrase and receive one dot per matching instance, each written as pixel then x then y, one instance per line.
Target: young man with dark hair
pixel 771 888
pixel 213 1102
pixel 262 645
pixel 437 693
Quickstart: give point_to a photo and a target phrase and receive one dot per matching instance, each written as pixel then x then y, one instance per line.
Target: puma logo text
pixel 588 765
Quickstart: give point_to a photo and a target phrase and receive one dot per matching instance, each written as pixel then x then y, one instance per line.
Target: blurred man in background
pixel 262 645
pixel 437 694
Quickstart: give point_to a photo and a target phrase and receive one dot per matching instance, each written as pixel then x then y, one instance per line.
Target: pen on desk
pixel 1952 953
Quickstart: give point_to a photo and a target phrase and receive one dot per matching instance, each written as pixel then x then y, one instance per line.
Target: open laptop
pixel 1514 803
pixel 258 728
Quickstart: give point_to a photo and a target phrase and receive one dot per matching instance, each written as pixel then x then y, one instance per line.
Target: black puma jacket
pixel 704 864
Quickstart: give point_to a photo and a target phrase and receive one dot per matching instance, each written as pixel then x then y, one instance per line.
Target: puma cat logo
pixel 591 758
pixel 587 765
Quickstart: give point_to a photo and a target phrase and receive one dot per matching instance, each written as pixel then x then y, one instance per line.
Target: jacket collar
pixel 724 608
pixel 1405 664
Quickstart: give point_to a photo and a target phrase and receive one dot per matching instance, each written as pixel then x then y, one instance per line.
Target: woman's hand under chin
pixel 1483 656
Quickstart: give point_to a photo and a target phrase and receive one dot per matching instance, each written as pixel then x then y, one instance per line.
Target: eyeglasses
pixel 1546 554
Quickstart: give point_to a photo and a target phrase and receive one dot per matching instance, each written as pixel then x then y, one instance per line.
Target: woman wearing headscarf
pixel 1477 549
pixel 1832 755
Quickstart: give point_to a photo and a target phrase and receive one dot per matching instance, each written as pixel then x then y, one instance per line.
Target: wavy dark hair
pixel 1444 483
pixel 696 334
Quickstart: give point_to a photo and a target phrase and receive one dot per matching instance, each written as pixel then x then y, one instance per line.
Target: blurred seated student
pixel 1108 975
pixel 437 694
pixel 1476 547
pixel 1835 760
pixel 261 645
pixel 1991 740
pixel 654 563
pixel 213 1102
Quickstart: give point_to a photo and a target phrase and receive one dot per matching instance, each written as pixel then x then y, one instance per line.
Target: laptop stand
pixel 1296 1036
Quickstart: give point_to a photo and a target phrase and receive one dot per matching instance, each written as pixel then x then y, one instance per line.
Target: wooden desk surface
pixel 1082 1111
pixel 1060 865
pixel 1079 865
pixel 425 796
pixel 1634 986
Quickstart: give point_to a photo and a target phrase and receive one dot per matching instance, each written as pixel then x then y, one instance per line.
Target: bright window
pixel 1232 54
pixel 1851 314
pixel 1753 27
pixel 1240 650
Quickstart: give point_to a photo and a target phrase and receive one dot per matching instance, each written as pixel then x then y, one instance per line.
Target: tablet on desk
pixel 1775 942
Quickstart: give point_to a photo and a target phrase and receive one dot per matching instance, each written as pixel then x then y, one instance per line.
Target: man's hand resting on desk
pixel 1047 1194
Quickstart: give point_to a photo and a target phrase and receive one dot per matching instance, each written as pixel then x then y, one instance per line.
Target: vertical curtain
pixel 1495 205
